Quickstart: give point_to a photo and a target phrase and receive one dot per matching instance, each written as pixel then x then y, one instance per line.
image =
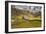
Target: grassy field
pixel 18 22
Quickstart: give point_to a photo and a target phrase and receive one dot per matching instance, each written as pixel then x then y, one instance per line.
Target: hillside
pixel 17 20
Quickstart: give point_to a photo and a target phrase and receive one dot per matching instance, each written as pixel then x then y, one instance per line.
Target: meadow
pixel 17 20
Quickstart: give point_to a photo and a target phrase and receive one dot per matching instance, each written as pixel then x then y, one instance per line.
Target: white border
pixel 24 29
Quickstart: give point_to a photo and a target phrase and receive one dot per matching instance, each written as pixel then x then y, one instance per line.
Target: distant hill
pixel 16 11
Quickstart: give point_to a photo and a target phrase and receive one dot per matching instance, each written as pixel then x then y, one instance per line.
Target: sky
pixel 25 7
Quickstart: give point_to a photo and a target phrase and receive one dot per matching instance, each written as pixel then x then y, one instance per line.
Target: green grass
pixel 21 23
pixel 18 22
